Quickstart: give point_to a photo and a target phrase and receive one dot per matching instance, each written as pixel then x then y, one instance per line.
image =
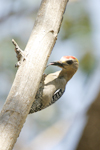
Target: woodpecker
pixel 55 83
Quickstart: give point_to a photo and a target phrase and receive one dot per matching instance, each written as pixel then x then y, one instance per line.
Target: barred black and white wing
pixel 56 96
pixel 39 106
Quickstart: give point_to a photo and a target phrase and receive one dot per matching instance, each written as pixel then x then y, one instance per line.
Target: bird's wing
pixel 57 94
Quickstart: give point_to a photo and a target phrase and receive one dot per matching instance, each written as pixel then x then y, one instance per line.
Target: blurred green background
pixel 60 125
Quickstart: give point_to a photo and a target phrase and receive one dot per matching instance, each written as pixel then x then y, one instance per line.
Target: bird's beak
pixel 57 63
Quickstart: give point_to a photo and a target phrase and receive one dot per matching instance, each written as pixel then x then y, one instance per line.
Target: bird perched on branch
pixel 52 86
pixel 54 83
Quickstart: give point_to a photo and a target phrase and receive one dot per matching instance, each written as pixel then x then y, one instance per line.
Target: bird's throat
pixel 67 74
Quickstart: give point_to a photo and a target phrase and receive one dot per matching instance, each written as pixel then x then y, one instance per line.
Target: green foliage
pixel 88 63
pixel 76 23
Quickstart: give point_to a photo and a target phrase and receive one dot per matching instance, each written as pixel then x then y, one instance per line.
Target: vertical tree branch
pixel 28 76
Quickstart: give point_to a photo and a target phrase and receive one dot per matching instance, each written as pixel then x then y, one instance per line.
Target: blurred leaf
pixel 76 23
pixel 88 63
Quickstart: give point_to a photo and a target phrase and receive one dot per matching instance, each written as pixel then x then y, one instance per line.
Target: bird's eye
pixel 69 62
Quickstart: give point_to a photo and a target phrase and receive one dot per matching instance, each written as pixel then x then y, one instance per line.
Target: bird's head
pixel 67 63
